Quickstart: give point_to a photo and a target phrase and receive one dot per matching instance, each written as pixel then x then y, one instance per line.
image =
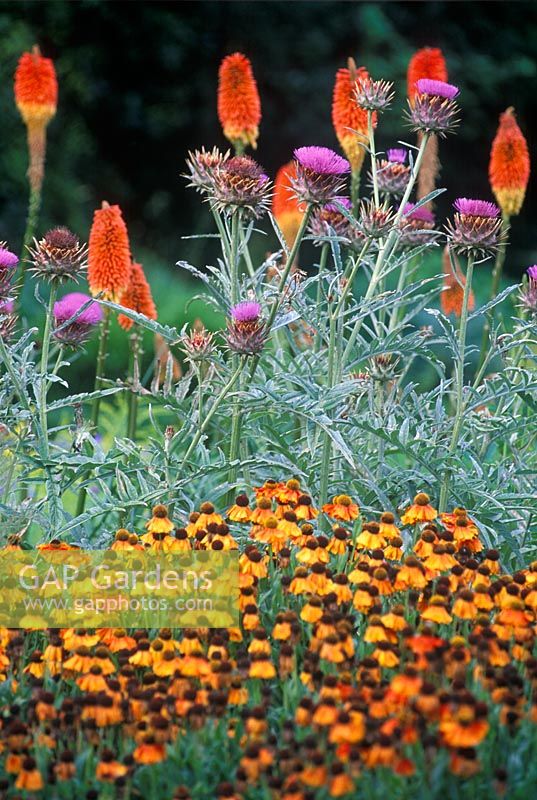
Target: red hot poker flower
pixel 137 297
pixel 349 120
pixel 509 166
pixel 239 107
pixel 109 257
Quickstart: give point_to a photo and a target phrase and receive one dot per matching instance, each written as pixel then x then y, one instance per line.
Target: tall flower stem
pixel 373 154
pixel 326 455
pixel 236 412
pixel 99 369
pixel 133 398
pixel 288 264
pixel 283 278
pixel 334 366
pixel 495 285
pixel 96 406
pixel 320 275
pixel 355 190
pixel 387 248
pixel 459 385
pixel 44 370
pixel 214 408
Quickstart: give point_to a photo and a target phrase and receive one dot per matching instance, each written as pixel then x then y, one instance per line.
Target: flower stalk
pixel 495 286
pixel 96 406
pixel 43 384
pixel 387 249
pixel 214 408
pixel 135 386
pixel 459 384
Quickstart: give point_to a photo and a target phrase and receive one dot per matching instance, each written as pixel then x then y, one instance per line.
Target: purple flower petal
pixel 67 307
pixel 397 155
pixel 343 201
pixel 421 213
pixel 8 260
pixel 437 88
pixel 247 311
pixel 321 160
pixel 476 208
pixel 532 272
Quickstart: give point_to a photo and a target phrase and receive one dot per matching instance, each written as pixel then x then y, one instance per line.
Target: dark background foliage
pixel 138 87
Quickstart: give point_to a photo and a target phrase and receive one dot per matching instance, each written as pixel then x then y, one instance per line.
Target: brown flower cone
pixel 430 167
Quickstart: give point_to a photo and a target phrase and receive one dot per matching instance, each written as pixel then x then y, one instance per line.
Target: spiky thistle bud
pixel 198 345
pixel 202 165
pixel 58 256
pixel 8 319
pixel 476 228
pixel 393 173
pixel 528 292
pixel 417 226
pixel 319 175
pixel 433 108
pixel 329 220
pixel 509 166
pixel 374 221
pixel 246 331
pixel 374 95
pixel 240 183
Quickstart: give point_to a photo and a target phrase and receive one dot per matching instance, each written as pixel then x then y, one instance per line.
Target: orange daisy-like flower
pixel 109 256
pixel 285 207
pixel 509 166
pixel 349 120
pixel 137 297
pixel 453 288
pixel 239 107
pixel 419 511
pixel 342 508
pixel 36 88
pixel 429 62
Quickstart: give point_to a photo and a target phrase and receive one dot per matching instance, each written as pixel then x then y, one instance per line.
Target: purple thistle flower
pixel 76 332
pixel 67 307
pixel 476 208
pixel 246 331
pixel 437 88
pixel 417 226
pixel 8 267
pixel 433 109
pixel 8 260
pixel 328 220
pixel 321 160
pixel 397 155
pixel 343 201
pixel 422 214
pixel 476 229
pixel 528 290
pixel 319 175
pixel 246 311
pixel 7 306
